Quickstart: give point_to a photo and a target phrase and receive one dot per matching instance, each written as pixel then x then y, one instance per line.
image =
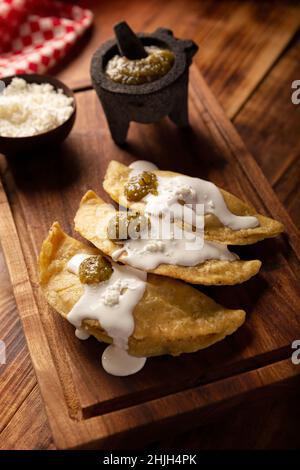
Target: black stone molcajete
pixel 149 102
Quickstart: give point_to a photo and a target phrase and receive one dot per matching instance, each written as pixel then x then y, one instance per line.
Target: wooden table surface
pixel 249 55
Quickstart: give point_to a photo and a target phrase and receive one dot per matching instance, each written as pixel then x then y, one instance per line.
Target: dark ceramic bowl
pixel 19 145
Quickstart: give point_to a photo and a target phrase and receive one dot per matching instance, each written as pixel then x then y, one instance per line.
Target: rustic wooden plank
pixel 199 405
pixel 21 417
pixel 17 376
pixel 9 398
pixel 270 125
pixel 39 194
pixel 40 354
pixel 31 431
pixel 24 432
pixel 28 429
pixel 239 41
pixel 288 190
pixel 243 46
pixel 277 415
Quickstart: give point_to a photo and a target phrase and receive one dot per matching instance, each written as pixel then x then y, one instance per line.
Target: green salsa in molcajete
pixel 136 72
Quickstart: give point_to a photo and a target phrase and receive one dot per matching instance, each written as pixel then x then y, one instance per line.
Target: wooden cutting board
pixel 87 407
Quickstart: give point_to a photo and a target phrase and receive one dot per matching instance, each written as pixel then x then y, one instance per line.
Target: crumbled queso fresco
pixel 28 109
pixel 113 293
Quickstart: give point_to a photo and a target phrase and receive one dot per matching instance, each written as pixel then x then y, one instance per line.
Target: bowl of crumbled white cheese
pixel 35 111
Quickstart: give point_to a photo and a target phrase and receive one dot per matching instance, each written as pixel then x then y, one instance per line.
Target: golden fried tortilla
pixel 91 222
pixel 172 317
pixel 117 175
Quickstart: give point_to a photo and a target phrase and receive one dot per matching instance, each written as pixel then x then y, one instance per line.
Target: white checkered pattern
pixel 36 34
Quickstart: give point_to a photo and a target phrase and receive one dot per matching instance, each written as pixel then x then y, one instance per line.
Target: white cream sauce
pixel 173 191
pixel 75 262
pixel 81 334
pixel 141 165
pixel 192 191
pixel 111 303
pixel 181 199
pixel 117 361
pixel 180 247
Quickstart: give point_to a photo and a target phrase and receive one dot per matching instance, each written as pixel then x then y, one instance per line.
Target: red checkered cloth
pixel 36 34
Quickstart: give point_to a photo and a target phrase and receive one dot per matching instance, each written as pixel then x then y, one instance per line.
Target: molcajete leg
pixel 118 128
pixel 117 121
pixel 179 113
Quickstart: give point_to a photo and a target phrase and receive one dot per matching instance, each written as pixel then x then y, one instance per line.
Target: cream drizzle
pixel 111 303
pixel 117 361
pixel 193 191
pixel 141 165
pixel 181 248
pixel 81 334
pixel 180 198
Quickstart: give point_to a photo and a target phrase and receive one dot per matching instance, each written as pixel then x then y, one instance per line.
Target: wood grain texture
pixel 270 125
pixel 258 425
pixel 243 46
pixel 16 376
pixel 253 425
pixel 239 41
pixel 84 404
pixel 207 21
pixel 28 429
